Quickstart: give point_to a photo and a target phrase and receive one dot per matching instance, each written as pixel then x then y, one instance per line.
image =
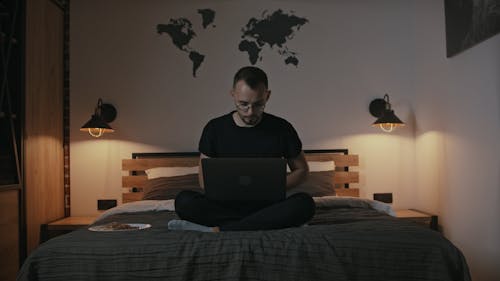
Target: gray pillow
pixel 165 188
pixel 317 184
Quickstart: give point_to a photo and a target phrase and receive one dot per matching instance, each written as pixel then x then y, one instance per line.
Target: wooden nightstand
pixel 419 217
pixel 63 226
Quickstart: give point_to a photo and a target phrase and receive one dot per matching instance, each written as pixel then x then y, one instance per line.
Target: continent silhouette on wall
pixel 181 31
pixel 208 17
pixel 273 30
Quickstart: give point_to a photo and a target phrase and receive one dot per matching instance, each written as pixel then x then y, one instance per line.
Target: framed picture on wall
pixel 469 22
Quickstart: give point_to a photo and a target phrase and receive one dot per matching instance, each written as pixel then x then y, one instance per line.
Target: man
pixel 247 132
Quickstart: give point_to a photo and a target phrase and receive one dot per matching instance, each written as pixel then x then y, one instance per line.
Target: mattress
pixel 346 240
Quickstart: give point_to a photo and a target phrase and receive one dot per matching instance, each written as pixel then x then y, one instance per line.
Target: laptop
pixel 244 179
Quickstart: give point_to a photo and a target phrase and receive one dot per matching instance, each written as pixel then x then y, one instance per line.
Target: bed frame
pixel 135 179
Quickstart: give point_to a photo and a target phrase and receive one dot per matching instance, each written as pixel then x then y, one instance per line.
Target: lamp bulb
pixel 96 132
pixel 387 127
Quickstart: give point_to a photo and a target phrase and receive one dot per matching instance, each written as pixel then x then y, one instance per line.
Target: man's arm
pixel 200 170
pixel 299 170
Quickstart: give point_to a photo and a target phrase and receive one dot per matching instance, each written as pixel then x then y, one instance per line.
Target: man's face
pixel 250 102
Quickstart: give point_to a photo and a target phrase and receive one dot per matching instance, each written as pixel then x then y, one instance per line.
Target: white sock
pixel 187 225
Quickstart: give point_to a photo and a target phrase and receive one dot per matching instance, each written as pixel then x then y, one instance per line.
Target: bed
pixel 349 238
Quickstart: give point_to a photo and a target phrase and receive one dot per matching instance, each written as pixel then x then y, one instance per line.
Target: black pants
pixel 296 210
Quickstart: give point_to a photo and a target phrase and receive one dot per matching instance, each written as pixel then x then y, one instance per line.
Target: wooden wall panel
pixel 44 178
pixel 9 229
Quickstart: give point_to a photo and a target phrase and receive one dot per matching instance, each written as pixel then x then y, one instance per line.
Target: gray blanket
pixel 339 244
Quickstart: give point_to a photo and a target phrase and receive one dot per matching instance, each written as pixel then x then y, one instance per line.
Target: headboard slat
pixel 345 177
pixel 341 160
pixel 134 181
pixel 131 197
pixel 144 164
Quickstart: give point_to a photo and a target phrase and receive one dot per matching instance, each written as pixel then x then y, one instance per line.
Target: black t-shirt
pixel 272 137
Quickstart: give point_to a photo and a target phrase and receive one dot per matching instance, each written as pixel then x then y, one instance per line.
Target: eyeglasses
pixel 246 106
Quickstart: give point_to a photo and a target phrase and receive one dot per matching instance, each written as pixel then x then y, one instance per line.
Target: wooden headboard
pixel 135 179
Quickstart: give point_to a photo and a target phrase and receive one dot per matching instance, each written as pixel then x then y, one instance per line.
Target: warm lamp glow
pixel 388 127
pixel 97 132
pixel 386 119
pixel 98 123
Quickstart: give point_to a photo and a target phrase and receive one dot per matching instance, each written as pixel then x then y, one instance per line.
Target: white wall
pixel 457 109
pixel 345 62
pixel 444 161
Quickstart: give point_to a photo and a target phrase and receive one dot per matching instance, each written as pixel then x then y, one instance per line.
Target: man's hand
pixel 200 171
pixel 299 170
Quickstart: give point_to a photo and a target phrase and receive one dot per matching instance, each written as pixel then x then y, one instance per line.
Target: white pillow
pixel 318 166
pixel 159 172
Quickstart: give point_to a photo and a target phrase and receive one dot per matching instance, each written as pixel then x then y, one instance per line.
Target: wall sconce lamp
pixel 98 124
pixel 386 119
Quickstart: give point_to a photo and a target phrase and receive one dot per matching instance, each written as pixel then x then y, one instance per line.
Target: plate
pixel 116 226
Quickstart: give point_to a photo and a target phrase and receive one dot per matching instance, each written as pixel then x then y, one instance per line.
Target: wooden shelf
pixel 70 223
pixel 423 218
pixel 63 226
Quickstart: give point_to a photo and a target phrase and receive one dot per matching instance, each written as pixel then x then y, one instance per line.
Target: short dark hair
pixel 253 76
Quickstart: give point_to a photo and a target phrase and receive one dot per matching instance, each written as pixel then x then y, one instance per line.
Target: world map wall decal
pixel 272 30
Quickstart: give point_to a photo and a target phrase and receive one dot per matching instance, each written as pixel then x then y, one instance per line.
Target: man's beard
pixel 251 120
